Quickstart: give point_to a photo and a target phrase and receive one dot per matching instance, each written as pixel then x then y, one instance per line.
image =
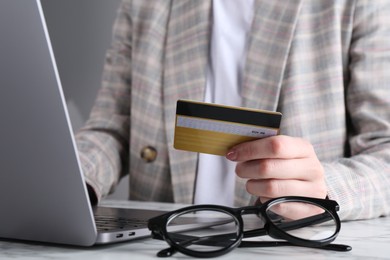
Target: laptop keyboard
pixel 108 223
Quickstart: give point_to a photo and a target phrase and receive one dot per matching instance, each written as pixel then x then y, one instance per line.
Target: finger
pixel 271 147
pixel 305 169
pixel 273 188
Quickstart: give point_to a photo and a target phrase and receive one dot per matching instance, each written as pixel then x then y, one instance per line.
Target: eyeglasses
pixel 213 230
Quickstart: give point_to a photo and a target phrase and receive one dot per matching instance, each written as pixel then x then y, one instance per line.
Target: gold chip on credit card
pixel 214 129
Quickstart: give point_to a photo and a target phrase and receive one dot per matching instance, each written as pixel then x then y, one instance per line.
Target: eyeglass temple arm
pixel 291 225
pixel 332 247
pixel 216 241
pixel 219 240
pixel 191 240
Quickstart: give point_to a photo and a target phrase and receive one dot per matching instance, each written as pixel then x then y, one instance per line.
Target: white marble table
pixel 370 239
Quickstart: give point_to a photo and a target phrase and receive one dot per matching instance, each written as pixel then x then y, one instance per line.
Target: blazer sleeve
pixel 104 139
pixel 361 183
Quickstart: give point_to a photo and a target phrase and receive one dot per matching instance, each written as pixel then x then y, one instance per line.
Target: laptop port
pixel 131 234
pixel 119 235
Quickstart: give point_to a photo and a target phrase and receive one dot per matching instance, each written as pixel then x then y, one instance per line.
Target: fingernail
pixel 232 155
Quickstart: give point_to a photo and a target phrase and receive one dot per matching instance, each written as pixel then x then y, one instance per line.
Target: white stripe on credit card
pixel 225 127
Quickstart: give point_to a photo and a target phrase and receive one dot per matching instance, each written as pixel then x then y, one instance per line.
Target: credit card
pixel 214 129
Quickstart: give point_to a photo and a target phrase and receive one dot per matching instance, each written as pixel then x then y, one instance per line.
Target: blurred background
pixel 80 32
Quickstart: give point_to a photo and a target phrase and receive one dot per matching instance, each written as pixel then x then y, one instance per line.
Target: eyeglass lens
pixel 303 220
pixel 203 230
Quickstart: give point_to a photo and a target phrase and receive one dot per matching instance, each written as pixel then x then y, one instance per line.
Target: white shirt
pixel 232 21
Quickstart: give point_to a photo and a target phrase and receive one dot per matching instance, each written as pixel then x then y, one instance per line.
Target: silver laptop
pixel 43 195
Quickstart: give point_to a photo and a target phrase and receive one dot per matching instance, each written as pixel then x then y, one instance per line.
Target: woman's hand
pixel 279 166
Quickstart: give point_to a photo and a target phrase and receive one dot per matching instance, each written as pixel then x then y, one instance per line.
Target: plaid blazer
pixel 323 64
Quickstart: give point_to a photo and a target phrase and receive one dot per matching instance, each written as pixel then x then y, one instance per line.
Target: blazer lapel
pixel 270 40
pixel 269 44
pixel 185 64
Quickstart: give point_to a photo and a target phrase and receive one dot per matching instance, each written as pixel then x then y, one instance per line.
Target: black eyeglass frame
pixel 158 225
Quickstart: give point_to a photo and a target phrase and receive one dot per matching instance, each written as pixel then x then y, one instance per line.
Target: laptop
pixel 43 195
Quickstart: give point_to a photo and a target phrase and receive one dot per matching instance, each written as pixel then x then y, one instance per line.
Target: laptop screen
pixel 42 191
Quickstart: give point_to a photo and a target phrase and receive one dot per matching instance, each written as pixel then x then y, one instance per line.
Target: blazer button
pixel 148 154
